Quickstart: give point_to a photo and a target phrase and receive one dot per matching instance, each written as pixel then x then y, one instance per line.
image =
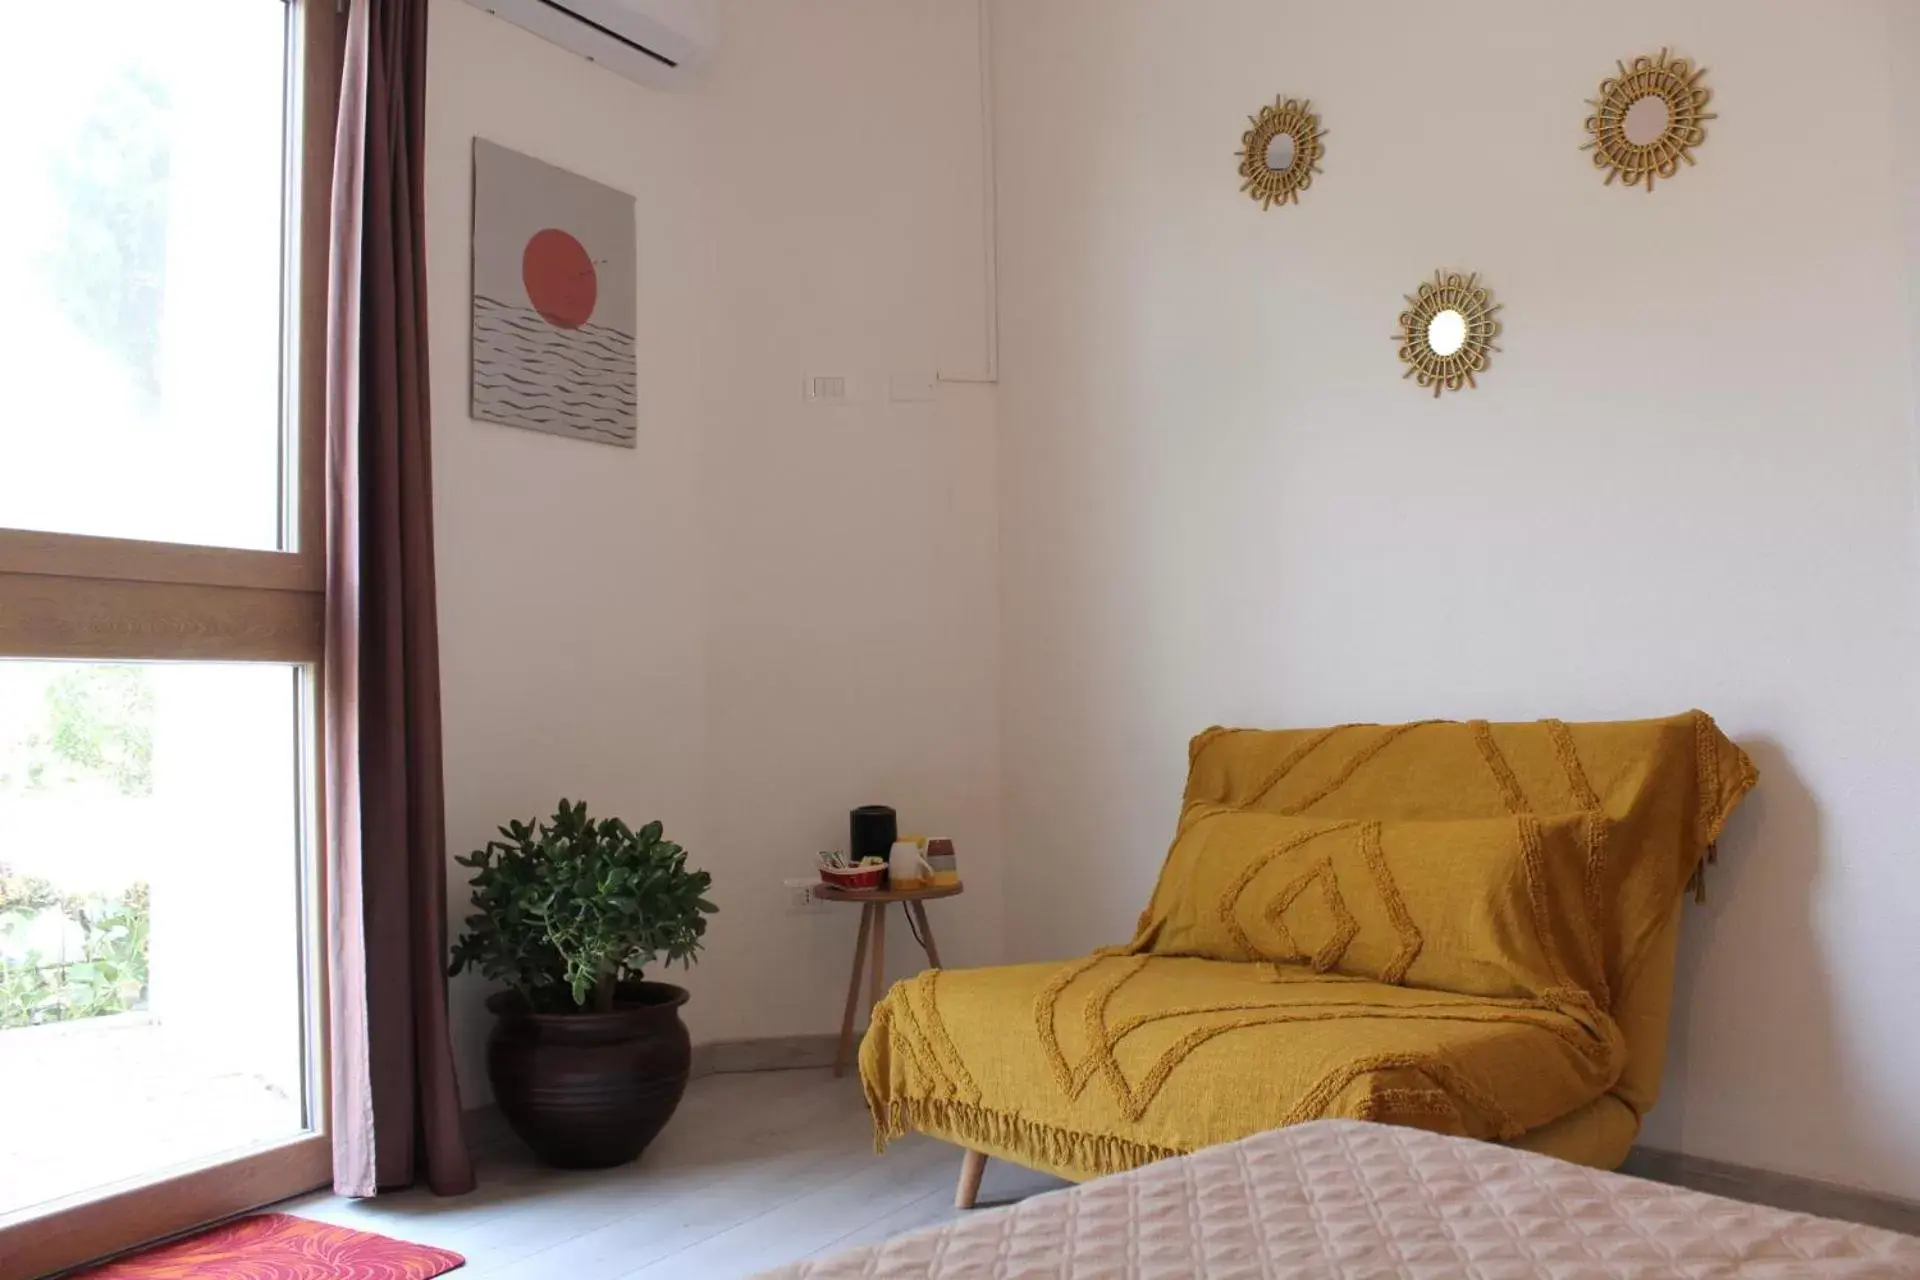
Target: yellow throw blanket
pixel 1464 927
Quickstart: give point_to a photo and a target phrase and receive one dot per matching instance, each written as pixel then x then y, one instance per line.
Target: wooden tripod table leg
pixel 841 1058
pixel 879 986
pixel 919 912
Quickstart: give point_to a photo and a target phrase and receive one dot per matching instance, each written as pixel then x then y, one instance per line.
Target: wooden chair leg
pixel 972 1165
pixel 845 1052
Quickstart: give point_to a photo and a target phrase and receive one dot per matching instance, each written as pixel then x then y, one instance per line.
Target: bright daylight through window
pixel 157 673
pixel 140 256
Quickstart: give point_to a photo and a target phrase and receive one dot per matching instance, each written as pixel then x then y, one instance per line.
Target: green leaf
pixel 560 903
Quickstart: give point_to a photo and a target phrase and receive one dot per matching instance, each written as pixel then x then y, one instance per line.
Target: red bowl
pixel 861 880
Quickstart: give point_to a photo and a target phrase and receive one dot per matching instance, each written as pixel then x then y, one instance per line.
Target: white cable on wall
pixel 990 235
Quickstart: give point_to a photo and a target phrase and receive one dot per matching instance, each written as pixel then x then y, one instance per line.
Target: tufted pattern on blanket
pixel 1337 1199
pixel 1460 927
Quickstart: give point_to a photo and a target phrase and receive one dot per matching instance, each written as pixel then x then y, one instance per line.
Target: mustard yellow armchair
pixel 1465 927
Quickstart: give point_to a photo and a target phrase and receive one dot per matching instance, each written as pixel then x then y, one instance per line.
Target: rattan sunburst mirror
pixel 1447 331
pixel 1648 119
pixel 1281 152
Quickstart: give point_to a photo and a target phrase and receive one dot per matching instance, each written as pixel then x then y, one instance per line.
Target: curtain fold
pixel 396 1103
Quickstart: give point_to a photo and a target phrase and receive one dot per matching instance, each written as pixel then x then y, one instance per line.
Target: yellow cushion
pixel 1599 1134
pixel 1491 907
pixel 1105 1063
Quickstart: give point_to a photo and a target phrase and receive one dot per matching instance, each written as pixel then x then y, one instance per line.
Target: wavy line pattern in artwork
pixel 569 382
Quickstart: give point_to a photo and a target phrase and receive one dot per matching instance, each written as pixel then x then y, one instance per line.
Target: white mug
pixel 907 867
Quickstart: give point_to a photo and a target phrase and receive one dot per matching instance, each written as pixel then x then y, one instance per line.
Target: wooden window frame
pixel 73 596
pixel 66 596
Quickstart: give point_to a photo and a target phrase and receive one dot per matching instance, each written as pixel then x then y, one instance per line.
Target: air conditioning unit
pixel 657 42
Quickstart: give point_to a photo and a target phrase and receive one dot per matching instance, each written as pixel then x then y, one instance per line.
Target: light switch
pixel 825 388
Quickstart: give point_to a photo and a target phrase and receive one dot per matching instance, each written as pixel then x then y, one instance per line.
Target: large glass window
pixel 150 919
pixel 141 275
pixel 164 193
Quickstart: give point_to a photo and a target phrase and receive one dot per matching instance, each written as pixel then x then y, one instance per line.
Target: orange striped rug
pixel 279 1246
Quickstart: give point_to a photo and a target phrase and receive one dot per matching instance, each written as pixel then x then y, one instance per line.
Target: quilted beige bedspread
pixel 1344 1198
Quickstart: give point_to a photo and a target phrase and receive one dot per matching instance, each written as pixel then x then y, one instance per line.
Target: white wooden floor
pixel 753 1171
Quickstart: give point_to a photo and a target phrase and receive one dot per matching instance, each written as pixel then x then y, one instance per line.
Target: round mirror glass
pixel 1447 332
pixel 1280 152
pixel 1646 120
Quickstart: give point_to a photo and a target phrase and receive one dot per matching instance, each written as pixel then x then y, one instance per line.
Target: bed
pixel 1347 1198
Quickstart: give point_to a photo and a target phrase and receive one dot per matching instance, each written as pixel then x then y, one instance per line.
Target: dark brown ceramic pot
pixel 590 1090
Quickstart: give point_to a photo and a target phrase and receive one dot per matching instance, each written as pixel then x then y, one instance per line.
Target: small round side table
pixel 873 922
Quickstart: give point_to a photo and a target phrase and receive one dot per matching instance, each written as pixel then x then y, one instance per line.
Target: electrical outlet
pixel 800 898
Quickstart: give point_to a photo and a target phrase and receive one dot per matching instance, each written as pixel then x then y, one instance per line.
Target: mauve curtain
pixel 396 1104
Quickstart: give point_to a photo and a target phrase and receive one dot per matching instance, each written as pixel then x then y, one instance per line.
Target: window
pixel 141 259
pixel 163 256
pixel 150 920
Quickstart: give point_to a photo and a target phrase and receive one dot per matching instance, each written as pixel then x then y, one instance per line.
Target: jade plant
pixel 566 910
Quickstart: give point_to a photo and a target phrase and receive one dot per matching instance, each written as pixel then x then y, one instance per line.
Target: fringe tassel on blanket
pixel 1697 885
pixel 1096 1153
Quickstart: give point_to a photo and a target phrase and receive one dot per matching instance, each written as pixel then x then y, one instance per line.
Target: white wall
pixel 852 621
pixel 1688 480
pixel 767 613
pixel 1903 60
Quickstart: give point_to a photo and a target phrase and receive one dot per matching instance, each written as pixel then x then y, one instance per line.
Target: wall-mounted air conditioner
pixel 657 42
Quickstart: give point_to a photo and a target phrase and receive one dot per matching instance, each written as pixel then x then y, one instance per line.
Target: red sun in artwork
pixel 560 279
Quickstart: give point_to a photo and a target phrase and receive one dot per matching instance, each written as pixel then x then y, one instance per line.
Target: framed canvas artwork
pixel 554 262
